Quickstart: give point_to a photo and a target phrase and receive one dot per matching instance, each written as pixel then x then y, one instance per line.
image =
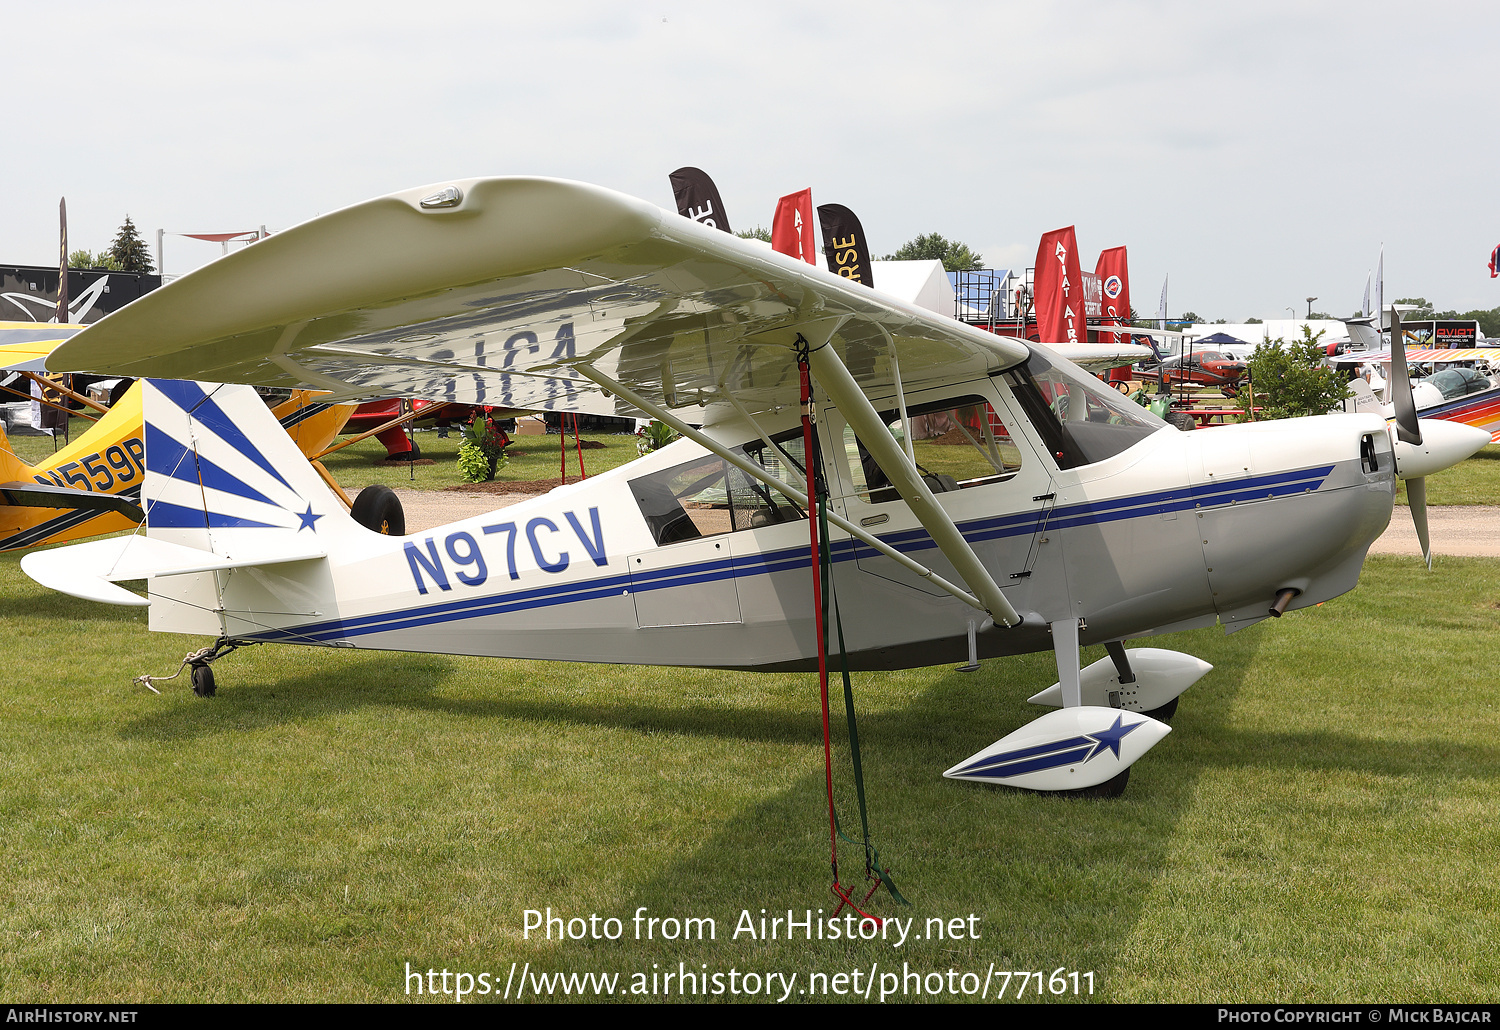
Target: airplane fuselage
pixel 1177 531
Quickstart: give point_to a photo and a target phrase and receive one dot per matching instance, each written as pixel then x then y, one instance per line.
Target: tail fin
pixel 12 468
pixel 225 488
pixel 1150 341
pixel 222 476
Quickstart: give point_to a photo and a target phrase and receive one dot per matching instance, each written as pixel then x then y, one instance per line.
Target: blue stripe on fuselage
pixel 975 531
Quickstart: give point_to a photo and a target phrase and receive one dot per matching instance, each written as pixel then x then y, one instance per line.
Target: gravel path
pixel 1457 530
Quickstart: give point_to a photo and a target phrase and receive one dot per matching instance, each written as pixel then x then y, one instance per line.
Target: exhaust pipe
pixel 1283 598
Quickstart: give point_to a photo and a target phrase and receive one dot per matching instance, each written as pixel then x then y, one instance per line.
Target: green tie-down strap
pixel 873 865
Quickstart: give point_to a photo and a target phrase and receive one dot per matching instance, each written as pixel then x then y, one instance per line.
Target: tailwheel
pixel 203 680
pixel 196 664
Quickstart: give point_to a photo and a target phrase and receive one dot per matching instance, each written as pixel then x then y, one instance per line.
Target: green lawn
pixel 531 457
pixel 1319 826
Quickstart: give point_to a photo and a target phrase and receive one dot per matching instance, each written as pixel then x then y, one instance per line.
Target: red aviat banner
pixel 1059 289
pixel 792 228
pixel 1112 271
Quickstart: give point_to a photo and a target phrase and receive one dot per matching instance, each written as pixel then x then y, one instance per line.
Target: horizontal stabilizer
pixel 1068 749
pixel 92 569
pixel 35 495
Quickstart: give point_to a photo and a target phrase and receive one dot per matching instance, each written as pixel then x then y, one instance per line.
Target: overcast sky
pixel 1258 153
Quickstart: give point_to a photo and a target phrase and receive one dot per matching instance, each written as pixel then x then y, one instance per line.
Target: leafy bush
pixel 654 434
pixel 1289 380
pixel 473 466
pixel 482 453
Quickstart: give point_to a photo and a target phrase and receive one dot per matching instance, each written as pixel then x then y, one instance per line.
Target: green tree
pixel 130 250
pixel 1289 380
pixel 1189 316
pixel 760 232
pixel 1252 321
pixel 955 256
pixel 1489 321
pixel 1422 304
pixel 84 259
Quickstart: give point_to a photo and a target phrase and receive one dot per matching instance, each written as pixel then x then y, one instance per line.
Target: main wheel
pixel 379 510
pixel 1110 788
pixel 1165 712
pixel 203 681
pixel 1181 420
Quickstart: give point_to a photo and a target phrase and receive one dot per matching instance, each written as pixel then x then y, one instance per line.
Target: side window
pixel 959 442
pixel 709 496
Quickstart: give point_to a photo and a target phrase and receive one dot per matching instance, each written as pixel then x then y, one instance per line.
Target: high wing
pixel 1096 357
pixel 24 346
pixel 491 291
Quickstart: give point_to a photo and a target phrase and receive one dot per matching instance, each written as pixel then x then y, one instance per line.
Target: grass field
pixel 531 458
pixel 361 464
pixel 1320 825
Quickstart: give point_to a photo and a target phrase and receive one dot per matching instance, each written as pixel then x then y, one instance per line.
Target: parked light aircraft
pixel 1049 514
pixel 1456 394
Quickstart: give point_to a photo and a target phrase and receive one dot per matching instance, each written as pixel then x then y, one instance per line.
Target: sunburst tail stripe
pixel 191 399
pixel 161 515
pixel 164 455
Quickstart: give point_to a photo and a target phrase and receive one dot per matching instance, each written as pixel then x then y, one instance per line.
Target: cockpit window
pixel 1081 420
pixel 708 496
pixel 958 442
pixel 1456 382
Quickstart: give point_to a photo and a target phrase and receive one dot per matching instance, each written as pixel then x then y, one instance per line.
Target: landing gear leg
pixel 1117 655
pixel 1065 646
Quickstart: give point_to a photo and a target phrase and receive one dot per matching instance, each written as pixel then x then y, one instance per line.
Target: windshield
pixel 1080 419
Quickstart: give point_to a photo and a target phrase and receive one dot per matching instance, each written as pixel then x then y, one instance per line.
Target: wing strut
pixel 862 417
pixel 750 468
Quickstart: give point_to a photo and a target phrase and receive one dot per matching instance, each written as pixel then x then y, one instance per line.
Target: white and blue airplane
pixel 1043 512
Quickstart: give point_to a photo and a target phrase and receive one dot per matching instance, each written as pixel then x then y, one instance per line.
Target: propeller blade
pixel 1416 499
pixel 1407 428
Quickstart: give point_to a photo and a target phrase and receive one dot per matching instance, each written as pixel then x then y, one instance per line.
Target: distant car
pixel 1200 368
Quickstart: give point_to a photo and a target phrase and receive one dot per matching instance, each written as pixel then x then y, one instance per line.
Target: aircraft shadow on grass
pixel 369 681
pixel 1009 874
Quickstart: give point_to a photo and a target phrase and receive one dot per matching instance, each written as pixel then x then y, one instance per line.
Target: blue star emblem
pixel 308 518
pixel 1110 739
